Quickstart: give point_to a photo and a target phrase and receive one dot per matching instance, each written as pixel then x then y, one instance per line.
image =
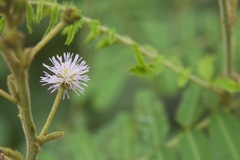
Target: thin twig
pixel 128 41
pixel 47 38
pixel 8 96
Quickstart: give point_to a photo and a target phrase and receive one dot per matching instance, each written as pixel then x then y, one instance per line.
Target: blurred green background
pixel 184 29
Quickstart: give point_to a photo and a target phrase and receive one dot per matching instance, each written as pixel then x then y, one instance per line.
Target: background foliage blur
pixel 100 124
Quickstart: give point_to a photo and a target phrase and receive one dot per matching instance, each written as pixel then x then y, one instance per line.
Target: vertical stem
pixel 26 118
pixel 227 14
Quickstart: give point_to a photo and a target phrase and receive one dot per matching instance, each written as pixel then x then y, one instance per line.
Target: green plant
pixel 207 116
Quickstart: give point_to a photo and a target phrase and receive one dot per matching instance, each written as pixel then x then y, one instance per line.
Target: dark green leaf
pixel 125 137
pixel 225 131
pixel 189 107
pixel 194 146
pixel 151 118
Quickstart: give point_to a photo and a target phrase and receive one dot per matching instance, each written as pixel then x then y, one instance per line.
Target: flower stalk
pixel 52 113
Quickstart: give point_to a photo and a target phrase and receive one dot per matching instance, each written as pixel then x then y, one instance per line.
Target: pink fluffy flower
pixel 68 71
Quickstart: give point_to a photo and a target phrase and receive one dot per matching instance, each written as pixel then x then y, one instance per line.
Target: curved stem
pixel 52 112
pixel 47 38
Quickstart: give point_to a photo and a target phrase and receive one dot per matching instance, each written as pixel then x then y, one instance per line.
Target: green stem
pixel 52 113
pixel 25 115
pixel 21 78
pixel 47 38
pixel 226 11
pixel 8 96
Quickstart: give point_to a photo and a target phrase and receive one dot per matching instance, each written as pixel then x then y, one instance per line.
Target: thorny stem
pixel 228 17
pixel 52 112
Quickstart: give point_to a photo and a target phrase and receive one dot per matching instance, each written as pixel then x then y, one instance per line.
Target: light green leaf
pixel 205 67
pixel 227 84
pixel 194 146
pixel 30 17
pixel 111 36
pixel 102 43
pixel 39 11
pixel 189 107
pixel 95 30
pixel 71 31
pixel 225 132
pixel 53 18
pixel 2 25
pixel 157 65
pixel 183 77
pixel 143 68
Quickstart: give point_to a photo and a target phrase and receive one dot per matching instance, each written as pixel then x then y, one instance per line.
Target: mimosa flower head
pixel 68 71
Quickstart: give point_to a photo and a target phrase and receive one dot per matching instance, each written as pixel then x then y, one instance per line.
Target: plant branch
pixel 151 54
pixel 47 38
pixel 228 15
pixel 8 96
pixel 52 113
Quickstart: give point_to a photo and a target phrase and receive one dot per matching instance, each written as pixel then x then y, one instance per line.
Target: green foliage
pixel 183 77
pixel 53 17
pixel 225 131
pixel 166 116
pixel 94 32
pixel 71 31
pixel 194 146
pixel 39 13
pixel 151 122
pixel 107 41
pixel 2 25
pixel 111 36
pixel 227 84
pixel 125 137
pixel 189 108
pixel 30 17
pixel 206 67
pixel 144 68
